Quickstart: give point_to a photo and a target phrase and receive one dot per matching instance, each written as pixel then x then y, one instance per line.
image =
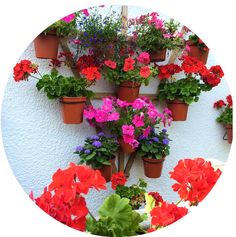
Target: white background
pixel 22 21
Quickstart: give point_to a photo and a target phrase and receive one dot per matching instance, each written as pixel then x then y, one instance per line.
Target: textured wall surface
pixel 37 142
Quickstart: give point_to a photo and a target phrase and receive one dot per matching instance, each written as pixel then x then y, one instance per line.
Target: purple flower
pixel 150 142
pixel 79 148
pixel 141 137
pixel 165 141
pixel 155 139
pixel 87 151
pixel 164 130
pixel 94 137
pixel 101 134
pixel 97 144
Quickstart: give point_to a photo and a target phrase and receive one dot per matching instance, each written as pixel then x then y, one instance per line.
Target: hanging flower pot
pixel 229 133
pixel 72 109
pixel 125 147
pixel 158 56
pixel 153 167
pixel 128 91
pixel 46 46
pixel 178 108
pixel 198 53
pixel 106 170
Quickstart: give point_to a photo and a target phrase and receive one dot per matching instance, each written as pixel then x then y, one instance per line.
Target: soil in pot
pixel 46 46
pixel 197 53
pixel 178 108
pixel 229 130
pixel 153 167
pixel 128 91
pixel 125 147
pixel 72 109
pixel 158 56
pixel 106 170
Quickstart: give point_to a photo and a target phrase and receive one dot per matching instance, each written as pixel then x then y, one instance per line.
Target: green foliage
pixel 135 193
pixel 196 41
pixel 187 90
pixel 55 86
pixel 226 116
pixel 150 202
pixel 116 219
pixel 153 146
pixel 98 156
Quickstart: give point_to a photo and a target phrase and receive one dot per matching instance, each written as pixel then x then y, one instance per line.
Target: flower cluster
pixel 195 179
pixel 136 69
pixel 158 198
pixel 98 150
pixel 127 120
pixel 69 18
pixel 63 199
pixel 166 214
pixel 23 69
pixel 166 71
pixel 226 116
pixel 118 179
pixel 85 61
pixel 91 73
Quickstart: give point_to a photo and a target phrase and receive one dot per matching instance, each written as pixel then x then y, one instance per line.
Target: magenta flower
pixel 113 116
pixel 122 103
pixel 159 24
pixel 85 12
pixel 101 116
pixel 138 121
pixel 144 58
pixel 128 130
pixel 138 104
pixel 135 143
pixel 167 36
pixel 68 18
pixel 128 139
pixel 76 41
pixel 89 113
pixel 152 113
pixel 147 131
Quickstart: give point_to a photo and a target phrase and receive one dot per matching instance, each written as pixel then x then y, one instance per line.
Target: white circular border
pixel 20 23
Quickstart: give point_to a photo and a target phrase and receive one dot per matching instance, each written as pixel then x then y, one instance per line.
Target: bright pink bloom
pixel 128 130
pixel 147 131
pixel 85 12
pixel 138 121
pixel 89 113
pixel 138 104
pixel 101 116
pixel 144 58
pixel 128 139
pixel 68 18
pixel 121 103
pixel 76 41
pixel 113 116
pixel 167 36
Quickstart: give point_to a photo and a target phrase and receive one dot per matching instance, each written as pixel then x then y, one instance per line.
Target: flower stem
pixel 177 203
pixel 92 216
pixel 35 77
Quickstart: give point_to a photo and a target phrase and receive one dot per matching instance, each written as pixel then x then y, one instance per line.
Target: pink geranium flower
pixel 85 12
pixel 144 58
pixel 101 116
pixel 122 103
pixel 128 130
pixel 128 139
pixel 113 116
pixel 89 113
pixel 147 131
pixel 68 18
pixel 167 36
pixel 138 104
pixel 138 121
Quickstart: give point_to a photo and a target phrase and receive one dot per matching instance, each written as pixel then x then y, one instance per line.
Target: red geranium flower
pixel 229 100
pixel 23 69
pixel 192 65
pixel 219 104
pixel 129 64
pixel 91 73
pixel 145 72
pixel 167 71
pixel 166 214
pixel 110 64
pixel 85 61
pixel 195 179
pixel 118 179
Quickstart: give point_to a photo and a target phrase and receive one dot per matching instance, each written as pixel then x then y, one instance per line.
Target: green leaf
pixel 150 202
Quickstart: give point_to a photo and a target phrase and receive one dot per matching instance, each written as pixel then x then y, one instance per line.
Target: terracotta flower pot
pixel 106 170
pixel 46 46
pixel 178 108
pixel 229 131
pixel 198 53
pixel 72 109
pixel 125 147
pixel 158 56
pixel 128 91
pixel 153 167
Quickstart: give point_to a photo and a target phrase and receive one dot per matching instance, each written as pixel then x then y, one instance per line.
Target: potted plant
pixel 98 152
pixel 135 193
pixel 127 120
pixel 155 36
pixel 153 149
pixel 46 44
pixel 99 33
pixel 226 116
pixel 72 92
pixel 196 48
pixel 129 73
pixel 195 78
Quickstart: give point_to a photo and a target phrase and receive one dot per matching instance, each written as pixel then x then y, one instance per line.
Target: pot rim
pixel 79 99
pixel 176 101
pixel 154 160
pixel 130 84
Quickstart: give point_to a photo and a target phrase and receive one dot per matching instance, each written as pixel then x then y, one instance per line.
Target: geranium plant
pixel 97 150
pixel 135 193
pixel 226 116
pixel 132 69
pixel 63 199
pixel 193 39
pixel 153 34
pixel 196 79
pixel 127 120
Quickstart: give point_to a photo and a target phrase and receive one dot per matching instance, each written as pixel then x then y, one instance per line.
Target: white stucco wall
pixel 37 142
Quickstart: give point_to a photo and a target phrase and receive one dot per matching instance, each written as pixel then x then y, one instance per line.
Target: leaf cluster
pixel 226 117
pixel 116 219
pixel 195 40
pixel 56 85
